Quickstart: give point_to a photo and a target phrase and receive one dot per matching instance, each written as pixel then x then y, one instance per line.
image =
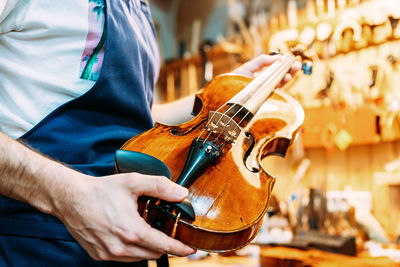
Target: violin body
pixel 230 197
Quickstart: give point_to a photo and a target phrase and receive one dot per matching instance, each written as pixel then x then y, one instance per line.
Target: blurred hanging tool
pixel 329 80
pixel 348 31
pixel 307 37
pixel 331 8
pixel 354 2
pixel 170 87
pixel 320 7
pixel 310 10
pixel 316 209
pixel 280 40
pixel 238 18
pixel 255 28
pixel 282 15
pixel 205 47
pixel 292 13
pixel 196 30
pixel 394 17
pixel 375 15
pixel 341 4
pixel 324 37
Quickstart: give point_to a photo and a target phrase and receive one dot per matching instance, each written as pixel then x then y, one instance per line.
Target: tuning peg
pixel 307 67
pixel 392 59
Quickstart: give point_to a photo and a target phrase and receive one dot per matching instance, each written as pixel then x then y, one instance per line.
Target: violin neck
pixel 257 92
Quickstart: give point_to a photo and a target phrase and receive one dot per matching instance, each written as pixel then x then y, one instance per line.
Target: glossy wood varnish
pixel 229 200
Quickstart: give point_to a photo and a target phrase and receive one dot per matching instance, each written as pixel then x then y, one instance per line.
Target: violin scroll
pixel 307 64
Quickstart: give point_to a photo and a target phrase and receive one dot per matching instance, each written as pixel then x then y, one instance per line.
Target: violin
pixel 217 155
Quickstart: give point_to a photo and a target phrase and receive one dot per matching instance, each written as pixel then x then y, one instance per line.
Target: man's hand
pixel 252 67
pixel 103 217
pixel 100 213
pixel 179 111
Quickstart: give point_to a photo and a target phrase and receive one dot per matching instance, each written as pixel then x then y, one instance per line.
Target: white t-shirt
pixel 44 45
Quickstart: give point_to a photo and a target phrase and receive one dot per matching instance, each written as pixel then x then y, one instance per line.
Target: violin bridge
pixel 220 123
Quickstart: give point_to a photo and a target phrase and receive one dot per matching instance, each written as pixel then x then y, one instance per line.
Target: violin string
pixel 248 112
pixel 209 134
pixel 270 79
pixel 229 109
pixel 225 112
pixel 269 74
pixel 265 77
pixel 209 122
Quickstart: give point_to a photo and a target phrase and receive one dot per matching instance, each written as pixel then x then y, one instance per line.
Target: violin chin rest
pixel 131 161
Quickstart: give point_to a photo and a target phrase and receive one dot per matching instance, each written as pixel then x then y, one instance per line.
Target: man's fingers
pixel 157 186
pixel 287 78
pixel 129 253
pixel 251 67
pixel 255 65
pixel 296 67
pixel 157 241
pixel 260 62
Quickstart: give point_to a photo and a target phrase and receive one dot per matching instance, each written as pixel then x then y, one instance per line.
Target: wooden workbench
pixel 286 257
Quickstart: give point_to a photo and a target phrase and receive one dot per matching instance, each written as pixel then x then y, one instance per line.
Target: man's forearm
pixel 175 112
pixel 100 213
pixel 30 177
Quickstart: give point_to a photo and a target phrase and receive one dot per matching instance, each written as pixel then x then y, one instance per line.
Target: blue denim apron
pixel 84 133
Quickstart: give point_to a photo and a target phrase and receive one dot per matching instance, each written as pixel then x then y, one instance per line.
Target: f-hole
pixel 248 152
pixel 178 133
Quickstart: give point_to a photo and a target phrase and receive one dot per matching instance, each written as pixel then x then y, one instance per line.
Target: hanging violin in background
pixel 217 155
